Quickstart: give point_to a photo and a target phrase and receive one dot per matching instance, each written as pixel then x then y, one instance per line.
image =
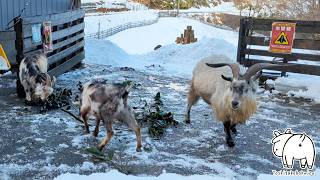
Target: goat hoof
pixel 138 149
pixel 234 131
pixel 187 121
pixel 100 148
pixel 95 133
pixel 230 143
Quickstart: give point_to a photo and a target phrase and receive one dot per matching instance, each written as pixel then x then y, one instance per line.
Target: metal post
pixel 178 6
pixel 99 24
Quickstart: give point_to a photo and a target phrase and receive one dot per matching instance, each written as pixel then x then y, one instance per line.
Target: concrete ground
pixel 42 146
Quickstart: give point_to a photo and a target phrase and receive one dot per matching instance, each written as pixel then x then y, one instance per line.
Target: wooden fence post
pixel 20 55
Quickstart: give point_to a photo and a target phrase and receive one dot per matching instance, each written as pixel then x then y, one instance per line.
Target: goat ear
pixel 226 78
pixel 257 76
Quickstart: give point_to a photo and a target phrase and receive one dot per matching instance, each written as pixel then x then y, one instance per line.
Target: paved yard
pixel 42 146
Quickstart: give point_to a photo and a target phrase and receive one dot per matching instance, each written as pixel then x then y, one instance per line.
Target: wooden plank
pixel 66 66
pixel 265 21
pixel 56 19
pixel 73 29
pixel 259 24
pixel 68 41
pixel 289 57
pixel 27 32
pixel 30 46
pixel 298 43
pixel 299 29
pixel 57 57
pixel 296 68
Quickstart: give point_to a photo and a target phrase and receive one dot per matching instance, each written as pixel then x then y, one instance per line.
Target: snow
pixel 114 174
pixel 143 39
pixel 306 86
pixel 123 50
pixel 108 21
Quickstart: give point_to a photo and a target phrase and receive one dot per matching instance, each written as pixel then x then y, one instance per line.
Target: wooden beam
pixel 289 57
pixel 296 68
pixel 56 19
pixel 297 43
pixel 57 57
pixel 66 66
pixel 30 46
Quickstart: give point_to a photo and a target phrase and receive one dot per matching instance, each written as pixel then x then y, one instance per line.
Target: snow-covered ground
pixel 142 40
pixel 113 174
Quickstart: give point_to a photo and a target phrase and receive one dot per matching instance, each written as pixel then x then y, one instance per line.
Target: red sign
pixel 282 37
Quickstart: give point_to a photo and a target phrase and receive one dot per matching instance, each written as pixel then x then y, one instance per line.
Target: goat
pixel 108 102
pixel 34 78
pixel 232 98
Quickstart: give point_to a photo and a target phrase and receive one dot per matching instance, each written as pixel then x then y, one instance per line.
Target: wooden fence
pixel 67 37
pixel 113 30
pixel 254 39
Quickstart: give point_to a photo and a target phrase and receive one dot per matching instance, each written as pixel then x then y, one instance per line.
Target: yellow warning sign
pixel 4 63
pixel 282 39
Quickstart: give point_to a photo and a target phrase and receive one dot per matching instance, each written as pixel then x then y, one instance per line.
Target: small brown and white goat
pixel 34 78
pixel 230 94
pixel 108 102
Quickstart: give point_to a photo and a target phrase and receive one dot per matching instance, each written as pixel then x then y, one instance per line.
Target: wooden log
pixel 178 40
pixel 192 36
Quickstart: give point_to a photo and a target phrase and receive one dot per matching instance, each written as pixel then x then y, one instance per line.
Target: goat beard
pixel 225 112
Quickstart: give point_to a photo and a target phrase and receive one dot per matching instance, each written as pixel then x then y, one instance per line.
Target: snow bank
pixel 306 86
pixel 178 60
pixel 113 174
pixel 143 39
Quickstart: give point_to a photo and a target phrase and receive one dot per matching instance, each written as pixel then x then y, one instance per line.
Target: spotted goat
pixel 37 83
pixel 108 102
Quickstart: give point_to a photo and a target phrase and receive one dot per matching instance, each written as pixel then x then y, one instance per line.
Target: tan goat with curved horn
pixel 230 94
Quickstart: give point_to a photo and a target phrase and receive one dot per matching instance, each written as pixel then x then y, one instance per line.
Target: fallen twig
pixel 74 116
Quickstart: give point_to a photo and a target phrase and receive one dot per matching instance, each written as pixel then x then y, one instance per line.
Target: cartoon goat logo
pixel 290 147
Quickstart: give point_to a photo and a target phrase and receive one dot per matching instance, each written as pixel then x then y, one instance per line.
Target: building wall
pixel 12 8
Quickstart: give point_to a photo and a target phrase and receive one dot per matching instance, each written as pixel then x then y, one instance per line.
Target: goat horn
pixel 252 70
pixel 234 67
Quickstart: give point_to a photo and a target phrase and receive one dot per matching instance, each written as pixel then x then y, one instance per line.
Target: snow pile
pixel 108 21
pixel 307 86
pixel 113 174
pixel 143 39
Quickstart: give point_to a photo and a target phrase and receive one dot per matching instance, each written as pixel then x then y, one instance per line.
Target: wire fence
pixel 114 30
